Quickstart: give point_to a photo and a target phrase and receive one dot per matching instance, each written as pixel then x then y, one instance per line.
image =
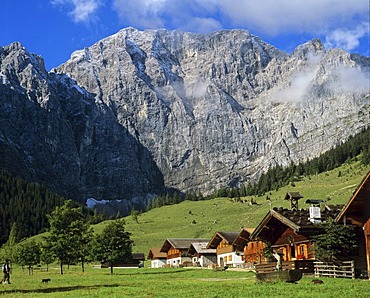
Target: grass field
pixel 181 282
pixel 202 219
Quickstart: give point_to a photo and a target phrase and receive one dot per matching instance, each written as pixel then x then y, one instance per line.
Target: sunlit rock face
pixel 140 111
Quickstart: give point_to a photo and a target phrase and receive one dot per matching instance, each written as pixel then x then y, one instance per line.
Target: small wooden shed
pixel 158 258
pixel 357 212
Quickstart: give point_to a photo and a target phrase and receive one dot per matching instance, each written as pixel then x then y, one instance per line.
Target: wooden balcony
pixel 224 250
pixel 175 255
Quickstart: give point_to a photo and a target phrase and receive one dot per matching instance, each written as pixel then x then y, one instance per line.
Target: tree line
pixel 279 176
pixel 24 207
pixel 71 240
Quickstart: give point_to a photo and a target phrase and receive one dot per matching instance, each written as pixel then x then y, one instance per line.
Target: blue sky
pixel 56 28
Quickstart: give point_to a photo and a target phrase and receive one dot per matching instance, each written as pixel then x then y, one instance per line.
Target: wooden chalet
pixel 201 255
pixel 290 231
pixel 177 249
pixel 227 253
pixel 252 250
pixel 357 212
pixel 157 258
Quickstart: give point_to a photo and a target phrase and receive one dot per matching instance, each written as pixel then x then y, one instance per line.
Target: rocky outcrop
pixel 141 111
pixel 54 132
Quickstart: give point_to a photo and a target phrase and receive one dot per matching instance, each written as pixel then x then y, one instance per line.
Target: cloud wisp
pixel 80 10
pixel 347 39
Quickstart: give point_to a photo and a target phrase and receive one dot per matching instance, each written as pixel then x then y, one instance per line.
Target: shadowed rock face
pixel 140 110
pixel 54 132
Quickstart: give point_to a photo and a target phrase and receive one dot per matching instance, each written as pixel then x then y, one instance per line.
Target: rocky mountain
pixel 143 110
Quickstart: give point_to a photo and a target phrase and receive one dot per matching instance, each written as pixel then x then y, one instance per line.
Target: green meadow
pixel 198 219
pixel 166 282
pixel 201 219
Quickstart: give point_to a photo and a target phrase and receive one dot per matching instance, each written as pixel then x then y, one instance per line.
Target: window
pixel 230 258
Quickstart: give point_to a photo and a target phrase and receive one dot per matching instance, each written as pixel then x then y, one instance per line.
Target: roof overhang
pixel 357 210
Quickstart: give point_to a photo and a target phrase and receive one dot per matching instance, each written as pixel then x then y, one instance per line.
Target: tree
pixel 114 244
pixel 68 234
pixel 335 243
pixel 46 256
pixel 28 254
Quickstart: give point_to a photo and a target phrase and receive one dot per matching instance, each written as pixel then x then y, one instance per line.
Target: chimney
pixel 314 210
pixel 315 214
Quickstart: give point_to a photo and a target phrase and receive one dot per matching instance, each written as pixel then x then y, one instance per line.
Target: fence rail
pixel 306 266
pixel 339 270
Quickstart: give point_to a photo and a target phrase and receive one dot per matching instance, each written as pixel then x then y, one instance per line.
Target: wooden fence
pixel 339 270
pixel 306 266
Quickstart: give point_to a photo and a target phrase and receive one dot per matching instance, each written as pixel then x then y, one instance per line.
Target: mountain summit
pixel 140 111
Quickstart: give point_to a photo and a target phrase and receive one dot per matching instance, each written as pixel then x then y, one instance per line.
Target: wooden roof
pixel 278 220
pixel 180 243
pixel 357 210
pixel 200 248
pixel 138 256
pixel 229 237
pixel 243 238
pixel 155 253
pixel 293 195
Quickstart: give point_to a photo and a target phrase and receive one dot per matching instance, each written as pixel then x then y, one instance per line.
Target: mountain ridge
pixel 205 111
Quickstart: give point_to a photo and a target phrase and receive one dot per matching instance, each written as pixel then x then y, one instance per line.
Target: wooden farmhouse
pixel 252 250
pixel 357 212
pixel 177 249
pixel 201 255
pixel 158 258
pixel 226 250
pixel 290 231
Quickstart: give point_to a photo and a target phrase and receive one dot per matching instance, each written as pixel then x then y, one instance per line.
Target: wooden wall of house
pixel 289 236
pixel 294 246
pixel 173 253
pixel 253 252
pixel 367 242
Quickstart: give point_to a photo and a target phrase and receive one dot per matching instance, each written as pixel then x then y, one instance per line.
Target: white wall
pixel 159 263
pixel 236 259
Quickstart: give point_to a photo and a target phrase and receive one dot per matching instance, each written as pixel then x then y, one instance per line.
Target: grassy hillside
pixel 204 218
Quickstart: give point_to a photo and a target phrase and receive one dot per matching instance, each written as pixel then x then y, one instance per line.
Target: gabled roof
pixel 243 238
pixel 357 210
pixel 229 237
pixel 200 248
pixel 155 253
pixel 278 220
pixel 180 243
pixel 293 195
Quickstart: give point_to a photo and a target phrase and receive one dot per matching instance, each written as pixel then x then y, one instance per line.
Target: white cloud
pixel 346 39
pixel 350 80
pixel 264 17
pixel 279 16
pixel 80 10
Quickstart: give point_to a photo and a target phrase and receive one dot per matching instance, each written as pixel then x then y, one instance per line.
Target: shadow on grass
pixel 59 289
pixel 155 272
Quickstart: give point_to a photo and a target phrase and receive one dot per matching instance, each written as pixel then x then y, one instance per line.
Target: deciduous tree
pixel 114 244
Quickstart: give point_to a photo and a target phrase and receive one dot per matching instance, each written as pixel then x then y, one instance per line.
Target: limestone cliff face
pixel 218 109
pixel 140 111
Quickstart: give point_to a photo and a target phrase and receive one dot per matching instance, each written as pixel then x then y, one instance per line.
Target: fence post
pixel 353 269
